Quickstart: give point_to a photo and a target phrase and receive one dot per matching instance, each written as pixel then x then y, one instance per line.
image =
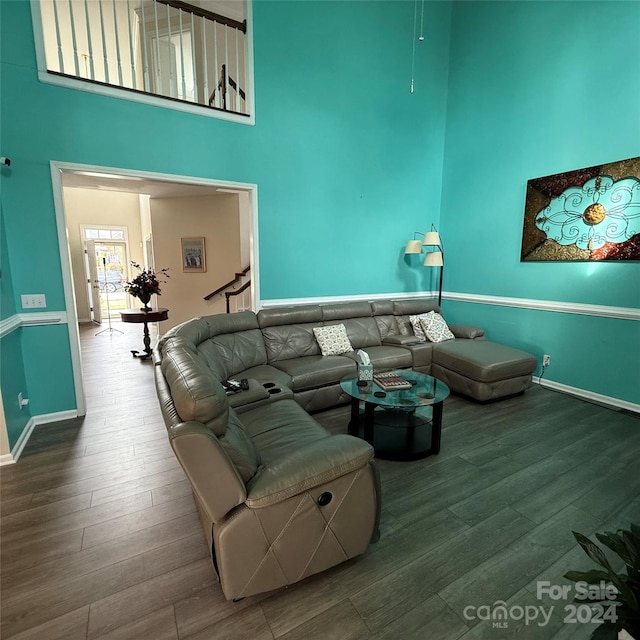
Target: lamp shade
pixel 433 259
pixel 413 246
pixel 431 238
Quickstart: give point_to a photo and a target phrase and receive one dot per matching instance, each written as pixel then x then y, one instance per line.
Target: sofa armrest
pixel 310 466
pixel 400 340
pixel 214 479
pixel 466 331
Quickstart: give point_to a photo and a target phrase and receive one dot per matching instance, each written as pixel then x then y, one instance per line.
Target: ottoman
pixel 481 369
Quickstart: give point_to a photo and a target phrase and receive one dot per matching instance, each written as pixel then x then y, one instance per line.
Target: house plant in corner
pixel 626 544
pixel 146 284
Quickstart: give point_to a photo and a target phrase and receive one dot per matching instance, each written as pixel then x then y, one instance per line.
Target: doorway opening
pixel 146 186
pixel 106 270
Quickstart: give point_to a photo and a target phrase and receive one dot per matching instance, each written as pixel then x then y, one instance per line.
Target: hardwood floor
pixel 100 537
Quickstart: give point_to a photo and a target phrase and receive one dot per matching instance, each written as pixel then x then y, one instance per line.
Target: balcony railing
pixel 166 48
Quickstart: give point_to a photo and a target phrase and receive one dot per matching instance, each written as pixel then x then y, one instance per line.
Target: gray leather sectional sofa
pixel 279 497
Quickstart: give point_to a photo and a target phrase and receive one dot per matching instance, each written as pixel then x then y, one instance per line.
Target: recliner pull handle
pixel 325 498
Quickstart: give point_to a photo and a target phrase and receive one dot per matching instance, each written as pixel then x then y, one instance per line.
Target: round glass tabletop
pixel 425 390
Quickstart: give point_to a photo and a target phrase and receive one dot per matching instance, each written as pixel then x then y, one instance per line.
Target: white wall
pixel 217 219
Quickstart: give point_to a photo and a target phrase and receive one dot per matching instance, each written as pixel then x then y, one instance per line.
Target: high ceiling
pixel 129 184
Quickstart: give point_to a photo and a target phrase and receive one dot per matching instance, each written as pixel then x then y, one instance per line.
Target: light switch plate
pixel 33 301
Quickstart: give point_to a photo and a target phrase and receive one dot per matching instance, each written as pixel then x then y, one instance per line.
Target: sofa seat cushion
pixel 386 357
pixel 311 372
pixel 281 428
pixel 483 360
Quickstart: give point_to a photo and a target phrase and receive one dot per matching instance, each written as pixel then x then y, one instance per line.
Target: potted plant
pixel 145 284
pixel 626 544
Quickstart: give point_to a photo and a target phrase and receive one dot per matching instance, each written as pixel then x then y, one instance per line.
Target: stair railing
pixel 229 294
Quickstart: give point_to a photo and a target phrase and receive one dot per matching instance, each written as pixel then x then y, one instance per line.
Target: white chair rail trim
pixel 624 313
pixel 10 324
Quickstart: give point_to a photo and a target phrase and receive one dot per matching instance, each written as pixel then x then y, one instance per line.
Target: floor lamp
pixel 109 329
pixel 434 258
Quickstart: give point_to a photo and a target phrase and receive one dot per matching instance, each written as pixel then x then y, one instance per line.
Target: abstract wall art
pixel 586 214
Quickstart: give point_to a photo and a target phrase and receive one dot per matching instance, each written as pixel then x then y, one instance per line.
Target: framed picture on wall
pixel 193 255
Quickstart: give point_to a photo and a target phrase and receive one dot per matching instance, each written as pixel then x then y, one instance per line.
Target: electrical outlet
pixel 546 360
pixel 33 301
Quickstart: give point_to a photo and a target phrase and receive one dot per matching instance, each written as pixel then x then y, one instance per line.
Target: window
pixel 183 54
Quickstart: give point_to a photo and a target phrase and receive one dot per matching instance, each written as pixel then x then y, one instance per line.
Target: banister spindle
pixel 57 21
pixel 158 63
pixel 193 60
pixel 205 93
pixel 226 100
pixel 74 42
pixel 145 62
pixel 131 52
pixel 115 29
pixel 92 73
pixel 173 83
pixel 215 64
pixel 104 44
pixel 184 84
pixel 237 78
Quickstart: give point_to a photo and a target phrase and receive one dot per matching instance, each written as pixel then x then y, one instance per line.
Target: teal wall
pixel 341 152
pixel 12 378
pixel 538 88
pixel 349 163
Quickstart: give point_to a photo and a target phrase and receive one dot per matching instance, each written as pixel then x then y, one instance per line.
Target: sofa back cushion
pixel 196 393
pixel 358 320
pixel 239 351
pixel 288 331
pixel 402 309
pixel 290 341
pixel 362 332
pixel 240 448
pixel 386 321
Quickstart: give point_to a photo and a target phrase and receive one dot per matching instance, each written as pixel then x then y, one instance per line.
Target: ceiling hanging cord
pixel 420 38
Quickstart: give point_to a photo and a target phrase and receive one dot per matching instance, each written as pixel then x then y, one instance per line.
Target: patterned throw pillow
pixel 417 327
pixel 333 339
pixel 435 328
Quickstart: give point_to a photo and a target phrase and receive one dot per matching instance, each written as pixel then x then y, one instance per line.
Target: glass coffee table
pixel 400 425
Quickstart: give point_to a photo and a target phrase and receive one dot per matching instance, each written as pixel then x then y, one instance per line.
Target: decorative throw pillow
pixel 417 327
pixel 435 328
pixel 333 339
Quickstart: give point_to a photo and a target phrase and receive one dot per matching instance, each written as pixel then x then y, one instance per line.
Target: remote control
pixel 244 384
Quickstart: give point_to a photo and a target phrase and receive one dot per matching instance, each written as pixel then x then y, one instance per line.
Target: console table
pixel 144 317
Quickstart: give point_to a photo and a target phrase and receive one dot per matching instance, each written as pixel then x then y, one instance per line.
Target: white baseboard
pixel 58 416
pixel 34 421
pixel 22 440
pixel 591 396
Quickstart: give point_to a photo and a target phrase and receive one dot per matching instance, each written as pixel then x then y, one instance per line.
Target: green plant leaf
pixel 632 547
pixel 592 550
pixel 616 543
pixel 590 577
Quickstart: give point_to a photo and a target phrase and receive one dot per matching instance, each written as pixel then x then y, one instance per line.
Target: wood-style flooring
pixel 100 537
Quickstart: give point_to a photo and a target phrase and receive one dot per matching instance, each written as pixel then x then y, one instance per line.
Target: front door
pixel 93 285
